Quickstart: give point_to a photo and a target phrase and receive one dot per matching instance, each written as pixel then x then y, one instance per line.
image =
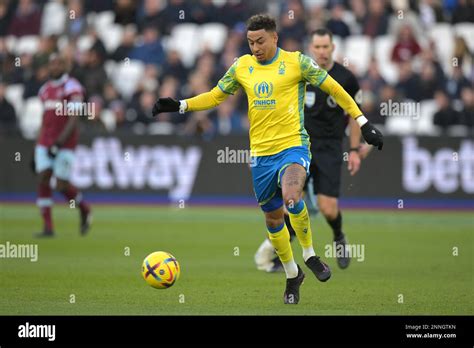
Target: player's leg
pixel 327 182
pixel 265 183
pixel 266 257
pixel 62 172
pixel 43 167
pixel 330 209
pixel 280 239
pixel 45 203
pixel 292 183
pixel 274 265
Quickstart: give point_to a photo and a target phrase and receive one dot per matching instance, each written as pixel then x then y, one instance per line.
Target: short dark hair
pixel 322 32
pixel 261 21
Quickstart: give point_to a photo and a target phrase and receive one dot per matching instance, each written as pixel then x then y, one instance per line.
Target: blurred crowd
pixel 146 27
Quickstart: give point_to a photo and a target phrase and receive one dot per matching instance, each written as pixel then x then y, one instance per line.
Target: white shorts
pixel 61 164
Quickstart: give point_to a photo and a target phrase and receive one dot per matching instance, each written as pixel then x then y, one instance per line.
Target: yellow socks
pixel 299 219
pixel 280 239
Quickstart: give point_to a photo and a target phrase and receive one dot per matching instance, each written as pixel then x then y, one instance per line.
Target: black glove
pixel 165 105
pixel 372 135
pixel 53 150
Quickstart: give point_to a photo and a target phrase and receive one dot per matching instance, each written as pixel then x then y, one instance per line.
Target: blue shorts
pixel 61 164
pixel 267 172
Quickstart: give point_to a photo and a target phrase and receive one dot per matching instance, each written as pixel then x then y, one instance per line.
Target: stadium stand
pixel 179 44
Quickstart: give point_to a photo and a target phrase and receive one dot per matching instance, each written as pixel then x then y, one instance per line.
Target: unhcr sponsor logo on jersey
pixel 264 90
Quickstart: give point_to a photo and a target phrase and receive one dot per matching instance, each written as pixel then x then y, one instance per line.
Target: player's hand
pixel 364 151
pixel 53 150
pixel 353 162
pixel 372 135
pixel 165 105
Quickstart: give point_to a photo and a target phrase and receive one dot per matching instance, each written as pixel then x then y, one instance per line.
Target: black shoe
pixel 277 266
pixel 319 268
pixel 44 234
pixel 86 221
pixel 292 291
pixel 343 259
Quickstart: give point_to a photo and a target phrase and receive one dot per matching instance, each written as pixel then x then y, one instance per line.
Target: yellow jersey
pixel 276 92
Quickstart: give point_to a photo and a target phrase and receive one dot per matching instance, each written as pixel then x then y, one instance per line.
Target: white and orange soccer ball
pixel 160 269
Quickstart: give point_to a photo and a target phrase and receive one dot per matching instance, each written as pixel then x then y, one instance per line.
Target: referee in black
pixel 326 124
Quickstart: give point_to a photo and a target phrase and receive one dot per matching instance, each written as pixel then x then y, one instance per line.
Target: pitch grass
pixel 407 254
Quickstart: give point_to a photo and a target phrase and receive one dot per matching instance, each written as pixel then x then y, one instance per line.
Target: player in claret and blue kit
pixel 275 81
pixel 62 97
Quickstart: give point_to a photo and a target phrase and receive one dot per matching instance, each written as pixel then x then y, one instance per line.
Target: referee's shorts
pixel 326 164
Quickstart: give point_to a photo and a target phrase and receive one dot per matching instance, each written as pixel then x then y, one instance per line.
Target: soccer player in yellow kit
pixel 274 81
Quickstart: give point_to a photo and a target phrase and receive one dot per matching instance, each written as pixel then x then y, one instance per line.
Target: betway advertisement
pixel 182 167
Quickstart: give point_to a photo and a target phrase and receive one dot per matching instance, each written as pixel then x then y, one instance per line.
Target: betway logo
pixel 447 169
pixel 107 164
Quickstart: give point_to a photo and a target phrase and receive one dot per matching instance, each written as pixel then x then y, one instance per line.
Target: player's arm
pixel 318 77
pixel 353 162
pixel 226 86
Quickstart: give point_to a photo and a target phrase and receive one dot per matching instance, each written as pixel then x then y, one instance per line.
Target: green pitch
pixel 408 258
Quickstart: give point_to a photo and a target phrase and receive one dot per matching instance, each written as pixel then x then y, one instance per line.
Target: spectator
pixel 110 94
pixel 118 109
pixel 406 47
pixel 125 12
pixel 359 10
pixel 12 72
pixel 428 56
pixel 376 20
pixel 431 13
pixel 292 24
pixel 429 84
pixel 5 17
pixel 408 85
pixel 92 74
pixel 139 110
pixel 98 6
pixel 169 87
pixel 369 105
pixel 47 46
pixel 463 12
pixel 467 113
pixel 8 121
pixel 93 124
pixel 76 22
pixel 176 11
pixel 150 50
pixel 402 15
pixel 373 80
pixel 456 83
pixel 198 122
pixel 204 11
pixel 336 24
pixel 34 83
pixel 26 20
pixel 226 120
pixel 174 67
pixel 446 116
pixel 127 44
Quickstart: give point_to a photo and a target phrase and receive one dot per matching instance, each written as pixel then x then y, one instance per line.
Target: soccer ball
pixel 160 270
